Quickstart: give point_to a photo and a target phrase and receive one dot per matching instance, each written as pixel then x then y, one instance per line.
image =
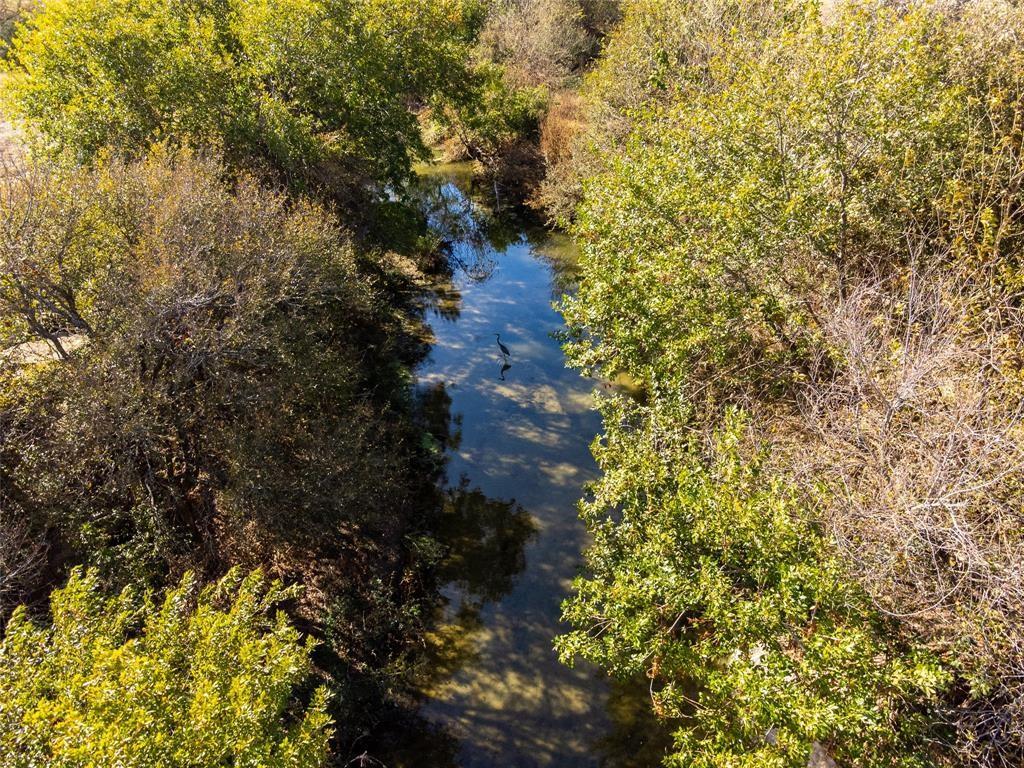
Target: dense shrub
pixel 644 58
pixel 810 214
pixel 528 57
pixel 715 581
pixel 538 43
pixel 731 216
pixel 204 677
pixel 497 126
pixel 187 295
pixel 229 389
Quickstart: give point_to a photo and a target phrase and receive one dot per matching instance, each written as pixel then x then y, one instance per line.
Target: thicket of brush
pixel 800 227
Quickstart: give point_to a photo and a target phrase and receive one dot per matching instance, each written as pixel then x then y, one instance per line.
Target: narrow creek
pixel 519 429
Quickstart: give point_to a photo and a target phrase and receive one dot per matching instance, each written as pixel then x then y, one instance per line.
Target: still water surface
pixel 517 461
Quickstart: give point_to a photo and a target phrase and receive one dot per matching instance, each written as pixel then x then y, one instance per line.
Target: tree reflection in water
pixel 443 427
pixel 466 232
pixel 484 540
pixel 637 739
pixel 480 544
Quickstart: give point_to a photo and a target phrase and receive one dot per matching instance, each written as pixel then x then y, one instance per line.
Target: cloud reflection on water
pixel 515 471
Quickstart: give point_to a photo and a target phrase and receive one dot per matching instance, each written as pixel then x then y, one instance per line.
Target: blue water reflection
pixel 526 422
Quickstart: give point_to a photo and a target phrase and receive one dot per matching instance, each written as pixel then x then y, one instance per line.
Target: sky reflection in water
pixel 516 468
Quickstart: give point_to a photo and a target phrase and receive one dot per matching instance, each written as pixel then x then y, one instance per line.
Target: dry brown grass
pixel 561 131
pixel 560 127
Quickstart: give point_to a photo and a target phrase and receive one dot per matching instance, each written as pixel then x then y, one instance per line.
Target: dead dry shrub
pixel 913 435
pixel 23 556
pixel 540 42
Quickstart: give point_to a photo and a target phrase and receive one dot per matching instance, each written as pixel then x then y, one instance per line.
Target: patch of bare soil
pixel 8 136
pixel 11 145
pixel 41 351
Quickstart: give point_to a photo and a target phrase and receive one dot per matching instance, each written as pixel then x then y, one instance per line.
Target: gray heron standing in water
pixel 502 347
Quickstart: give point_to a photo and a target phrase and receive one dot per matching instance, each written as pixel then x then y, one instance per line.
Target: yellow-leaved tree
pixel 206 677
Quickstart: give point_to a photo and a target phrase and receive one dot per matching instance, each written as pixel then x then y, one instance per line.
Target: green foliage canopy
pixel 753 168
pixel 301 85
pixel 708 575
pixel 736 211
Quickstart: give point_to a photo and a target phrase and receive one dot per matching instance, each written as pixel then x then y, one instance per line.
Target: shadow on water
pixel 485 538
pixel 479 549
pixel 511 428
pixel 483 542
pixel 636 739
pixel 443 427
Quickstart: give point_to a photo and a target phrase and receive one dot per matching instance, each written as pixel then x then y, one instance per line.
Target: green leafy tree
pixel 309 87
pixel 205 677
pixel 497 117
